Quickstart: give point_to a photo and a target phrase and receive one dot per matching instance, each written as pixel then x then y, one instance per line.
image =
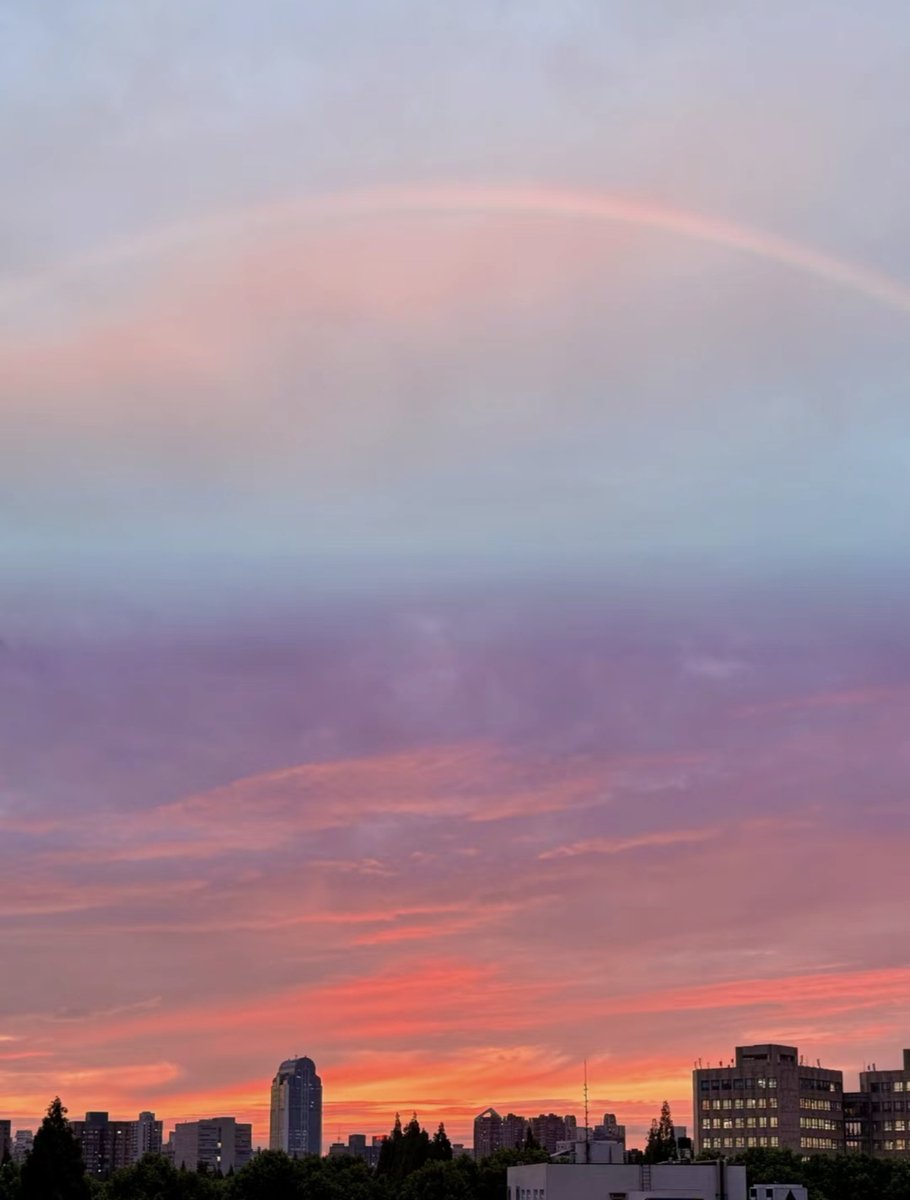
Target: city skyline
pixel 454 483
pixel 715 1122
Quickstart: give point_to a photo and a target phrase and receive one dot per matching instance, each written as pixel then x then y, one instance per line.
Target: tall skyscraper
pixel 296 1118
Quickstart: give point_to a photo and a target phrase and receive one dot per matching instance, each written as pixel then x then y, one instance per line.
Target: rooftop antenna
pixel 587 1126
pixel 586 1100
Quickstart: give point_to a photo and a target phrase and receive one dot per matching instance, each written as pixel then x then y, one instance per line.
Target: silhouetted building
pixel 514 1131
pixel 220 1144
pixel 146 1136
pixel 111 1145
pixel 877 1117
pixel 487 1133
pixel 296 1115
pixel 22 1145
pixel 6 1140
pixel 548 1129
pixel 768 1097
pixel 357 1147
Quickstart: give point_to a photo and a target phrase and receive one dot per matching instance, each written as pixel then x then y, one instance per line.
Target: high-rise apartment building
pixel 495 1132
pixel 548 1129
pixel 487 1133
pixel 768 1097
pixel 296 1115
pixel 22 1145
pixel 6 1140
pixel 108 1145
pixel 514 1131
pixel 221 1144
pixel 149 1135
pixel 877 1117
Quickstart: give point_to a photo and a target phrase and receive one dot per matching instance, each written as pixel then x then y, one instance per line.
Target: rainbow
pixel 481 200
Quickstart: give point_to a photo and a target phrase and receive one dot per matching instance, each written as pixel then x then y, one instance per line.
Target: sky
pixel 453 520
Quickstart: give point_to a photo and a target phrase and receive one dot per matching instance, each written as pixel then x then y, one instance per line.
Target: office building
pixel 877 1117
pixel 220 1144
pixel 768 1097
pixel 296 1115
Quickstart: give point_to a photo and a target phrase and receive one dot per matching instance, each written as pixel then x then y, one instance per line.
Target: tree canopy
pixel 661 1144
pixel 54 1169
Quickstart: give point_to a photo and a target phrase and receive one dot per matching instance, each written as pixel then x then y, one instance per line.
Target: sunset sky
pixel 454 581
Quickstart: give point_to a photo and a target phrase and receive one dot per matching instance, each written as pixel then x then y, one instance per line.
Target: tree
pixel 438 1179
pixel 492 1170
pixel 440 1146
pixel 661 1146
pixel 390 1151
pixel 530 1142
pixel 270 1175
pixel 9 1181
pixel 415 1148
pixel 404 1152
pixel 54 1170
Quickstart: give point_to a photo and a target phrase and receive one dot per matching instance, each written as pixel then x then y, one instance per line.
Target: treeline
pixel 412 1166
pixel 830 1177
